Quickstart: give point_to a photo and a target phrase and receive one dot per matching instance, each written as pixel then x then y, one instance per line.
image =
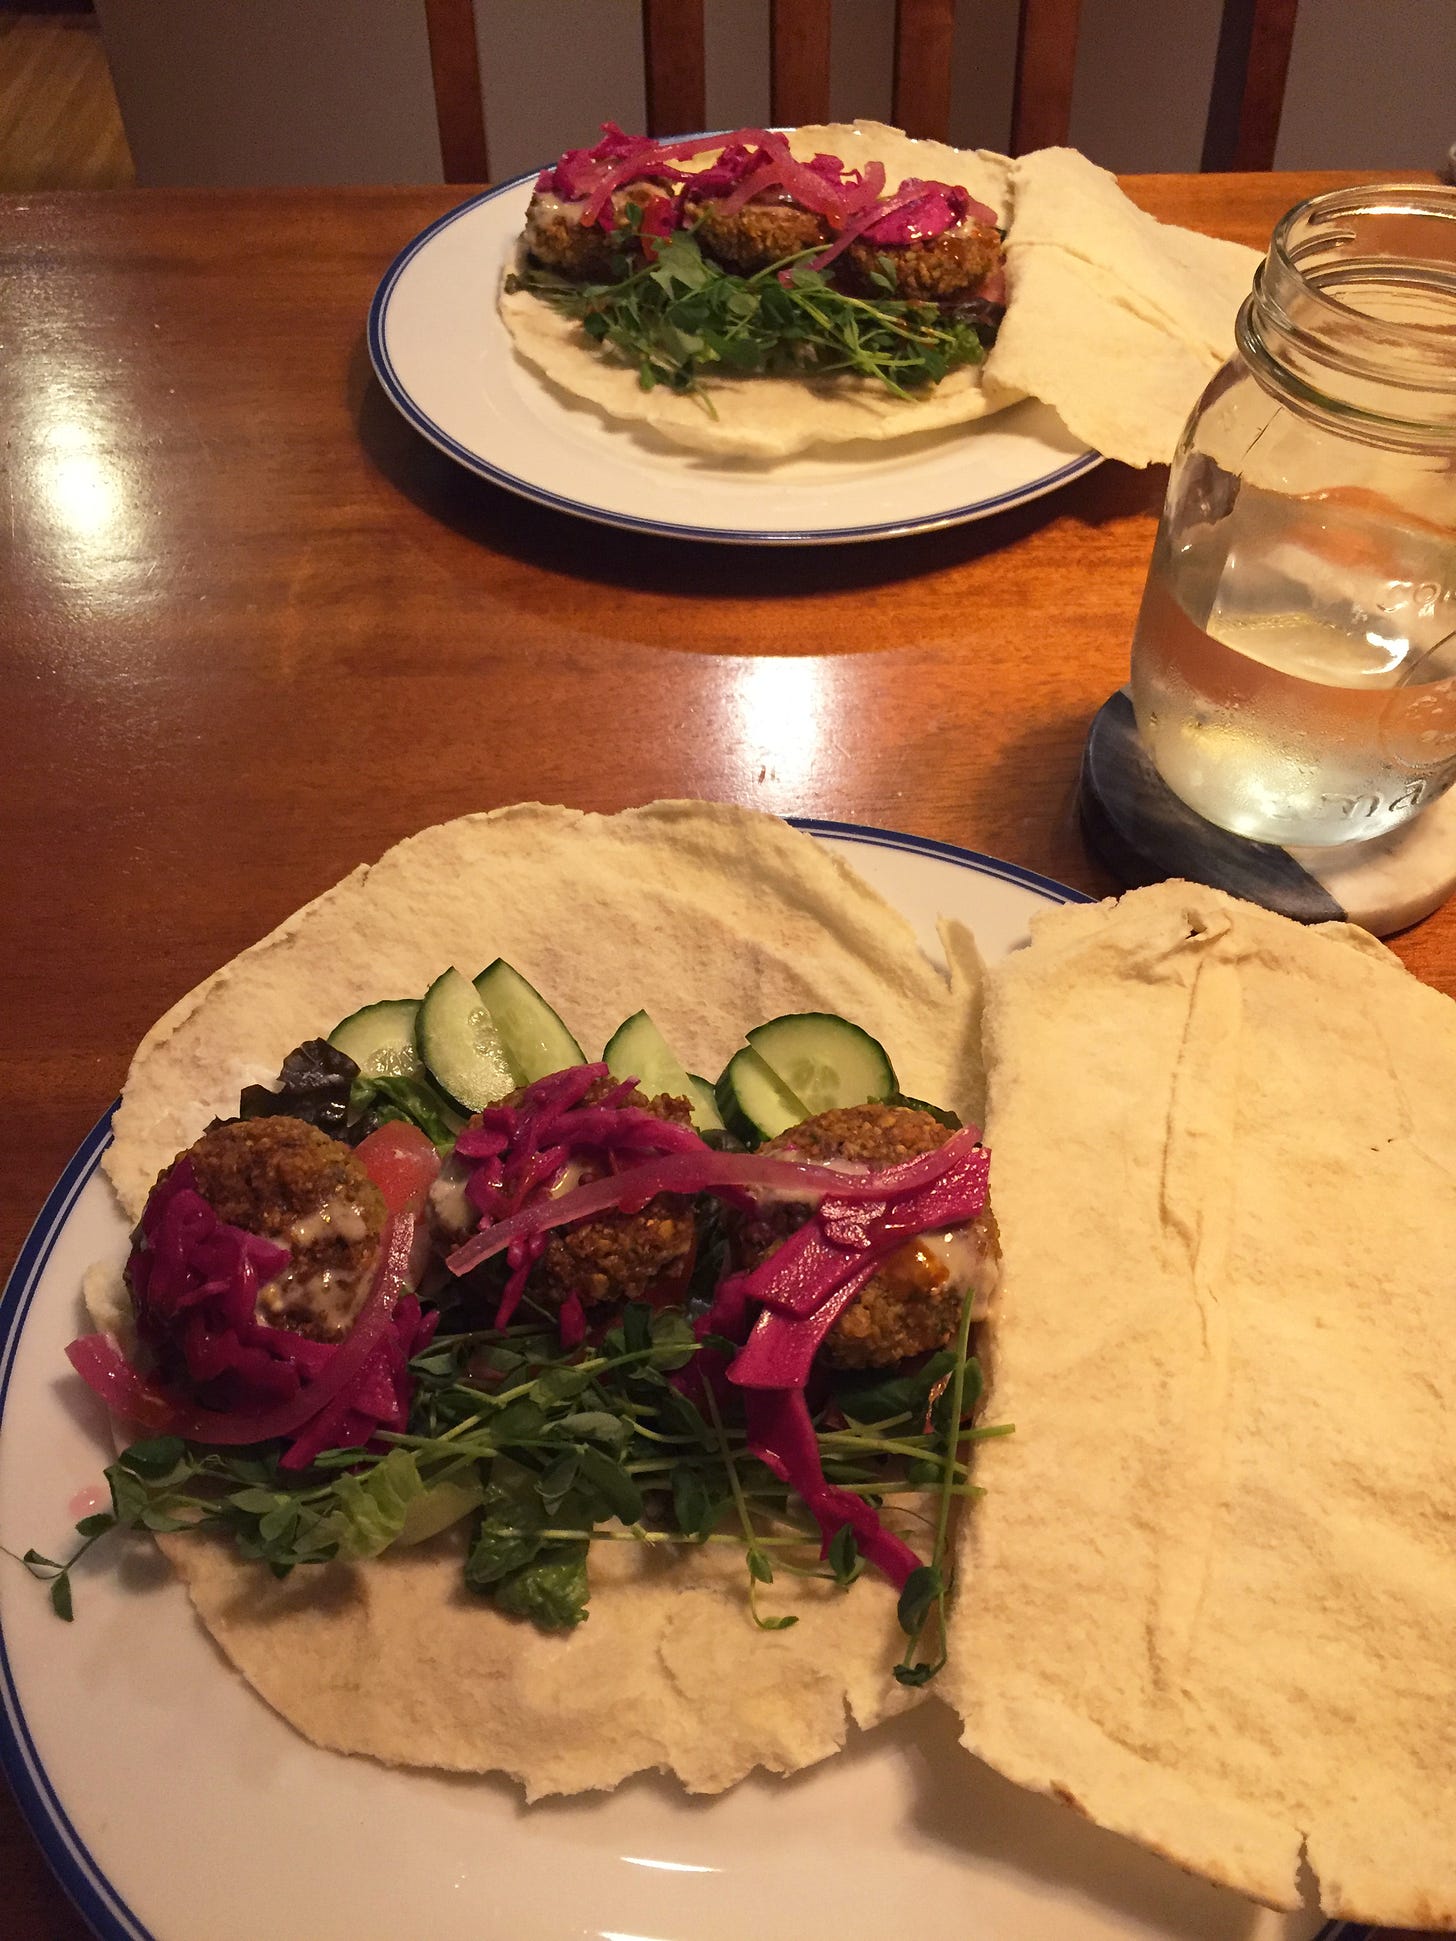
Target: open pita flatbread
pixel 1210 1596
pixel 713 919
pixel 774 417
pixel 709 917
pixel 396 1659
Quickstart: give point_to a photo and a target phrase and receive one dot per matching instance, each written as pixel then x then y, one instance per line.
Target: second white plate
pixel 173 1804
pixel 446 360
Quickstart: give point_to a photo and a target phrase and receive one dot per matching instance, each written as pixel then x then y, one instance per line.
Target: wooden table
pixel 255 629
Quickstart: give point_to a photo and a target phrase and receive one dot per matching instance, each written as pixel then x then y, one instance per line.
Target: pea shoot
pixel 537 1453
pixel 679 318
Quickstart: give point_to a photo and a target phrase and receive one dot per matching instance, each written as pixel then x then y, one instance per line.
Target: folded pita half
pixel 1209 1598
pixel 1116 320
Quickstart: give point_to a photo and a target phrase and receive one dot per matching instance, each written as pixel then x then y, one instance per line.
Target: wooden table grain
pixel 255 629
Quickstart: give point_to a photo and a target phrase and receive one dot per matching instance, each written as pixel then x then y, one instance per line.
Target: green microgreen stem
pixel 758 1568
pixel 58 1575
pixel 913 1669
pixel 595 1365
pixel 635 1533
pixel 915 1451
pixel 853 1427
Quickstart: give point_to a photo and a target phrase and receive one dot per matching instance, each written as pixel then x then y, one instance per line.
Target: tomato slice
pixel 403 1164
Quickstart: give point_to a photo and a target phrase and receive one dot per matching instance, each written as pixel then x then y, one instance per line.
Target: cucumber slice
pixel 704 1101
pixel 534 1038
pixel 824 1060
pixel 637 1049
pixel 380 1038
pixel 754 1102
pixel 950 1120
pixel 461 1048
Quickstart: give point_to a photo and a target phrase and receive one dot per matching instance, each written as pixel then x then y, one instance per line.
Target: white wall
pixel 1144 69
pixel 1371 82
pixel 226 92
pixel 232 91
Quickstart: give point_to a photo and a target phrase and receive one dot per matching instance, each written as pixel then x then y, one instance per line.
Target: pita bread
pixel 1121 383
pixel 713 919
pixel 397 1660
pixel 1210 1595
pixel 1115 320
pixel 1188 285
pixel 774 417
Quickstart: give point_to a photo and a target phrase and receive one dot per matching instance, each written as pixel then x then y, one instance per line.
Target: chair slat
pixel 799 61
pixel 924 30
pixel 672 45
pixel 1249 72
pixel 1046 64
pixel 459 108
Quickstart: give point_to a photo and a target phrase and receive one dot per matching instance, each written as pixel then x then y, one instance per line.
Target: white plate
pixel 446 359
pixel 172 1803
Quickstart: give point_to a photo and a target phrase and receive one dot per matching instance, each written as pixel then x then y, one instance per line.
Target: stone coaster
pixel 1144 833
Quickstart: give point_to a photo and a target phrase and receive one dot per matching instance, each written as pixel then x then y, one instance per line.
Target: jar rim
pixel 1365 364
pixel 1432 199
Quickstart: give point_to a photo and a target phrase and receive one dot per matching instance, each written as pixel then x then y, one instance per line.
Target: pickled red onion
pixel 706 1171
pixel 654 162
pixel 819 1268
pixel 101 1365
pixel 945 205
pixel 781 1435
pixel 802 1288
pixel 864 220
pixel 811 186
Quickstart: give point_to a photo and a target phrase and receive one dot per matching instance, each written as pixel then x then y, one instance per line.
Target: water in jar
pixel 1294 665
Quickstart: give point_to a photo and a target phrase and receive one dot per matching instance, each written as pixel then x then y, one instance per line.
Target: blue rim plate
pixel 445 359
pixel 171 1803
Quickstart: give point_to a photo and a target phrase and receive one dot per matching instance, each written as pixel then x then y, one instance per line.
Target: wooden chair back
pixel 459 102
pixel 672 32
pixel 1243 118
pixel 1245 102
pixel 1249 73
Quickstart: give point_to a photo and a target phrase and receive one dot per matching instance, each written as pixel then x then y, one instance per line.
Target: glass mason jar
pixel 1294 665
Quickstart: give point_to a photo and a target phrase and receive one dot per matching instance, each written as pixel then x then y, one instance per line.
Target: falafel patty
pixel 912 1305
pixel 557 238
pixel 763 231
pixel 618 1256
pixel 294 1185
pixel 938 270
pixel 611 1257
